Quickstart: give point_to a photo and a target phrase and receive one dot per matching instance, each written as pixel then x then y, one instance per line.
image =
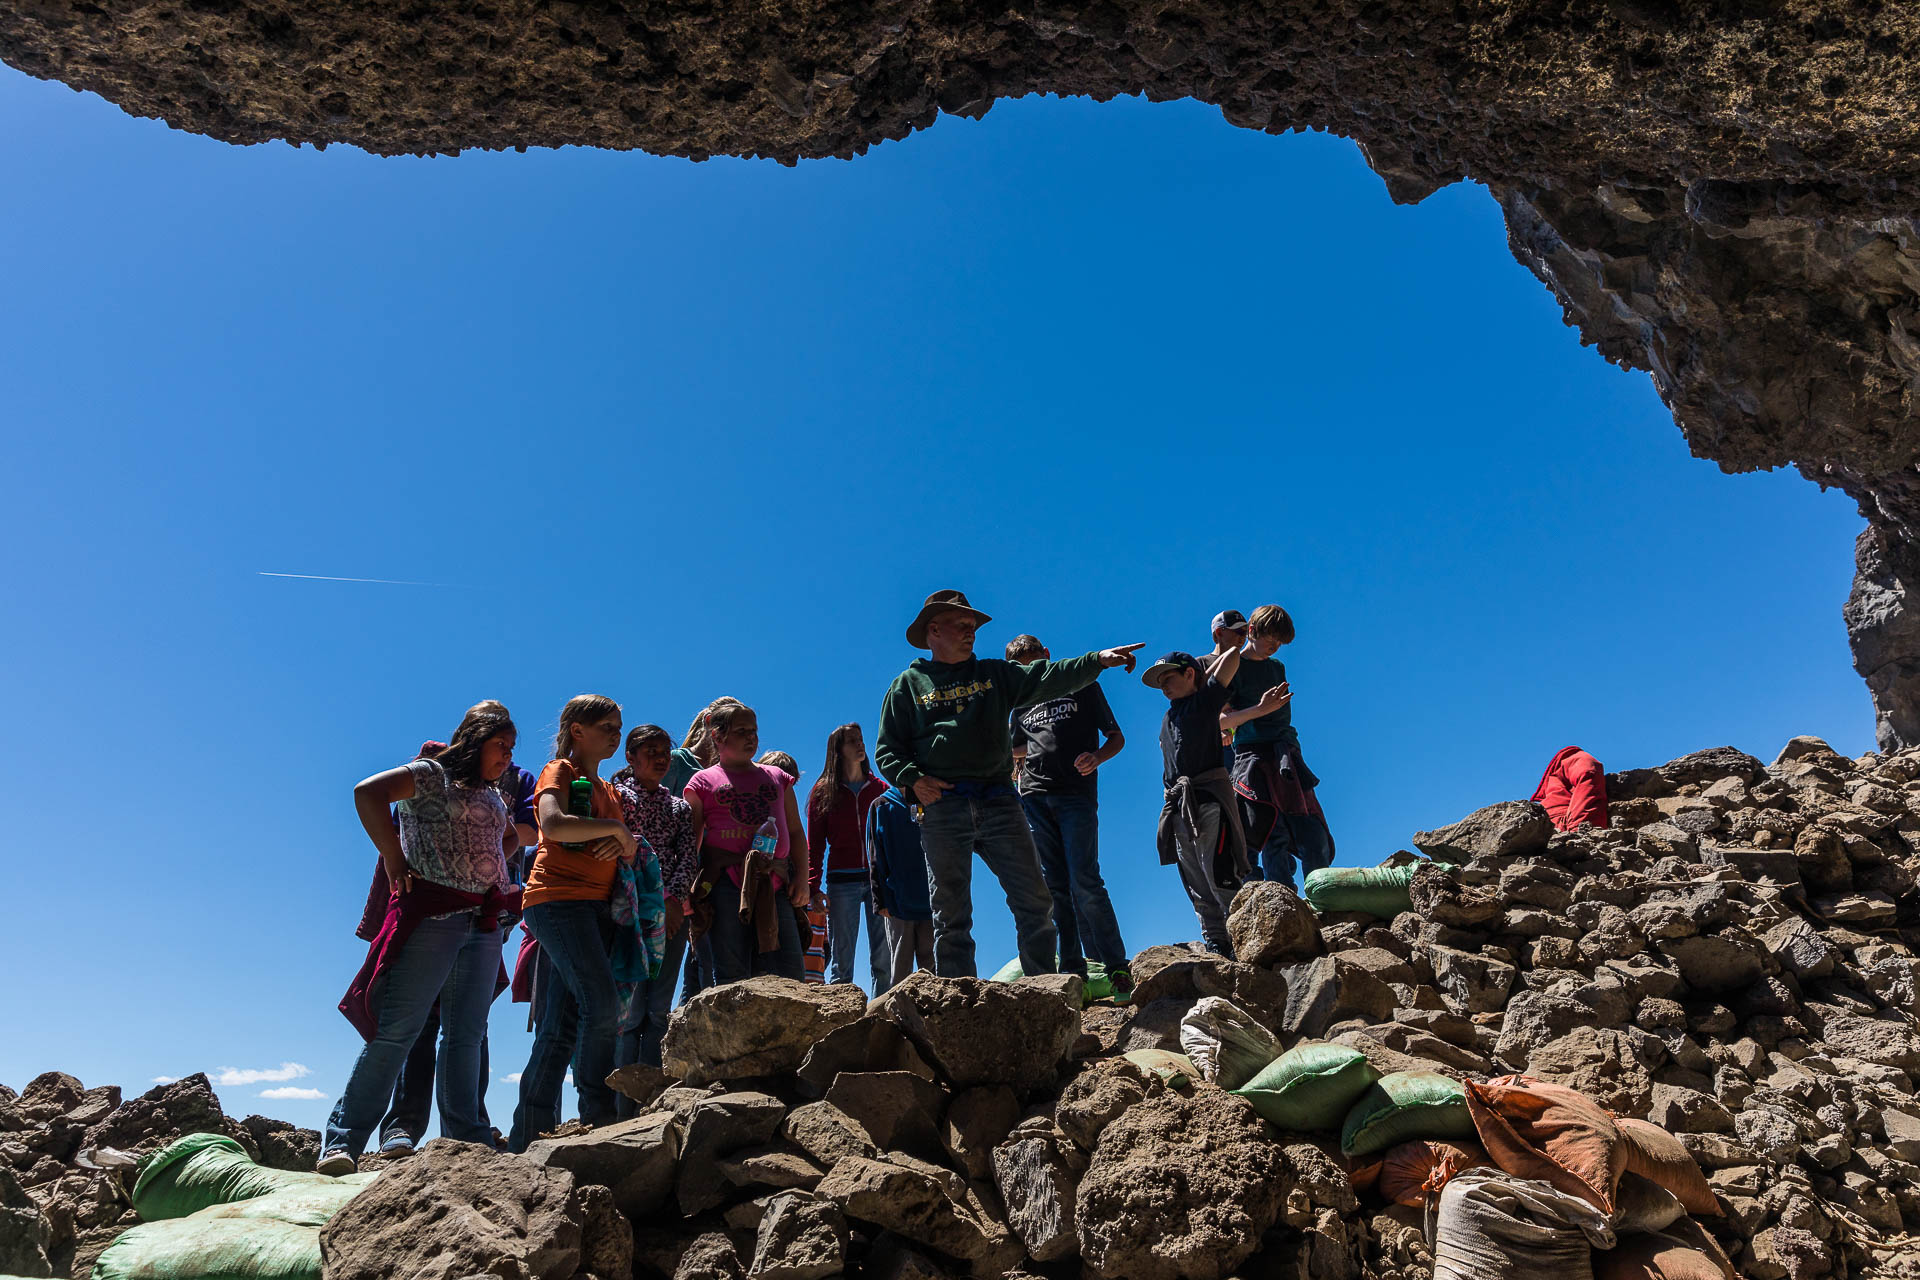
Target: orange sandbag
pixel 1657 1155
pixel 1551 1134
pixel 1413 1170
pixel 1694 1236
pixel 1661 1256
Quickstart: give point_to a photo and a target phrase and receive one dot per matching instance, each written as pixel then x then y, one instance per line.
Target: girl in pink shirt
pixel 731 800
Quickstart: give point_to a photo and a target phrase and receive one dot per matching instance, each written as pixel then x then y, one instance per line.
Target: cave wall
pixel 1721 193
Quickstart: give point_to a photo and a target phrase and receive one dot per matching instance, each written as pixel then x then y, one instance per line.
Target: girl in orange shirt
pixel 570 912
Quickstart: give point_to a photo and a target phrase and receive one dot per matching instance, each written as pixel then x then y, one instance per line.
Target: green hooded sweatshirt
pixel 949 719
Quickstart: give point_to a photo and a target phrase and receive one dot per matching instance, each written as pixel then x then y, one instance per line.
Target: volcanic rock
pixel 457 1209
pixel 974 1032
pixel 758 1027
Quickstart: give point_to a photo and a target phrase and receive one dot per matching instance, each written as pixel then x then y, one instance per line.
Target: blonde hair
pixel 584 708
pixel 780 760
pixel 699 739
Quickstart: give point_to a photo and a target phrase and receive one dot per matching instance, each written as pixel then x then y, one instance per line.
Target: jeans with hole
pixel 736 948
pixel 576 1022
pixel 995 827
pixel 641 1044
pixel 1066 835
pixel 847 906
pixel 454 962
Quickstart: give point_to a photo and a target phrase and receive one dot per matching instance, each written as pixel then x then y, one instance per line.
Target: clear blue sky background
pixel 673 430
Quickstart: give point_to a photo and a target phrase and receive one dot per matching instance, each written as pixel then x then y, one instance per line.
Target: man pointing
pixel 944 741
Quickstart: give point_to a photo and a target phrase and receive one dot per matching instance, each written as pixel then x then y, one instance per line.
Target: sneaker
pixel 398 1145
pixel 335 1164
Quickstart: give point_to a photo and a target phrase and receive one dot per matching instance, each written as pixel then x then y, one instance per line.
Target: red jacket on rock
pixel 1573 790
pixel 841 832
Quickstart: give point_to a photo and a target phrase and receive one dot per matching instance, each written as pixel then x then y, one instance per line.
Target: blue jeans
pixel 577 1019
pixel 413 1092
pixel 642 1043
pixel 1066 835
pixel 736 950
pixel 455 963
pixel 1295 837
pixel 847 904
pixel 995 827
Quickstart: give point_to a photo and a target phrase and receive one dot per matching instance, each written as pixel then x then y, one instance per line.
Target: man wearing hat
pixel 1200 831
pixel 944 740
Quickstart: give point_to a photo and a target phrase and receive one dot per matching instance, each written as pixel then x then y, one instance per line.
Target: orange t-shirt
pixel 571 875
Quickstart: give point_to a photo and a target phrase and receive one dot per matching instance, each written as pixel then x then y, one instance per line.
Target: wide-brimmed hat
pixel 1169 664
pixel 938 603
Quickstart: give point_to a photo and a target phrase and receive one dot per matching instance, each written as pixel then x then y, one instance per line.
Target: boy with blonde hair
pixel 1282 817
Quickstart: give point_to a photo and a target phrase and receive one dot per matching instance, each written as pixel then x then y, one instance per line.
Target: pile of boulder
pixel 67 1156
pixel 1733 959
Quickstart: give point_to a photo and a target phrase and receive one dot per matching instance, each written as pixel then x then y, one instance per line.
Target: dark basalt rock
pixel 1720 194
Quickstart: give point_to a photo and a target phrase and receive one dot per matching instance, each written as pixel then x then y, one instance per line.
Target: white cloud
pixel 512 1079
pixel 304 1095
pixel 273 1075
pixel 163 1079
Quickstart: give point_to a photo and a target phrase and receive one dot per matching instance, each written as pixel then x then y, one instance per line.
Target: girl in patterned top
pixel 664 821
pixel 441 940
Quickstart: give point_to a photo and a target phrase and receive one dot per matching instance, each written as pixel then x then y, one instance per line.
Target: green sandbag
pixel 302 1206
pixel 1405 1106
pixel 205 1169
pixel 213 1248
pixel 1310 1087
pixel 1378 891
pixel 1098 985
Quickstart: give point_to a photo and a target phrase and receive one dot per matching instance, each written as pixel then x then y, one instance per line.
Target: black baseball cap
pixel 1168 664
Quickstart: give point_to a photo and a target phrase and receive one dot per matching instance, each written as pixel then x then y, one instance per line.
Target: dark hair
pixel 827 788
pixel 1023 644
pixel 646 733
pixel 1270 620
pixel 699 739
pixel 584 708
pixel 461 756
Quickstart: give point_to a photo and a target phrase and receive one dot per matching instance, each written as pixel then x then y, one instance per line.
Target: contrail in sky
pixel 385 582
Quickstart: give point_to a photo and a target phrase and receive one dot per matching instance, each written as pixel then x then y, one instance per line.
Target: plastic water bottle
pixel 766 840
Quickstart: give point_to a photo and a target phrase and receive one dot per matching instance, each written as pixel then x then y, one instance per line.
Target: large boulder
pixel 801 1237
pixel 637 1160
pixel 1180 1188
pixel 925 1204
pixel 1333 988
pixel 1717 962
pixel 760 1027
pixel 24 1230
pixel 1599 1062
pixel 1186 973
pixel 1509 828
pixel 163 1113
pixel 459 1209
pixel 716 1126
pixel 1038 1174
pixel 1270 924
pixel 900 1110
pixel 974 1032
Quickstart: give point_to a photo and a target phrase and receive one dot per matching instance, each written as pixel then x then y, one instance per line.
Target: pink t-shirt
pixel 735 804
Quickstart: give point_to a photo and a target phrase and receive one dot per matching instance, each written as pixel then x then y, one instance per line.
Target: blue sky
pixel 668 430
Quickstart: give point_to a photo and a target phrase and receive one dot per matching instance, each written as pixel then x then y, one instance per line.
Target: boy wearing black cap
pixel 1199 823
pixel 944 739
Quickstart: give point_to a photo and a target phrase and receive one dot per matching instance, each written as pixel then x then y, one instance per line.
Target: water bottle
pixel 766 841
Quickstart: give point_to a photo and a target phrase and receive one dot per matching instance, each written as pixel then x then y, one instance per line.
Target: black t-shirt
pixel 1055 733
pixel 1190 735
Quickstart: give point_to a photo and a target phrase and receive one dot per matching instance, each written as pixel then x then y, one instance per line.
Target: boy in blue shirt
pixel 1278 808
pixel 897 879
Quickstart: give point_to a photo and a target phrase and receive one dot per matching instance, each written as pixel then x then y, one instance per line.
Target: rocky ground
pixel 1733 960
